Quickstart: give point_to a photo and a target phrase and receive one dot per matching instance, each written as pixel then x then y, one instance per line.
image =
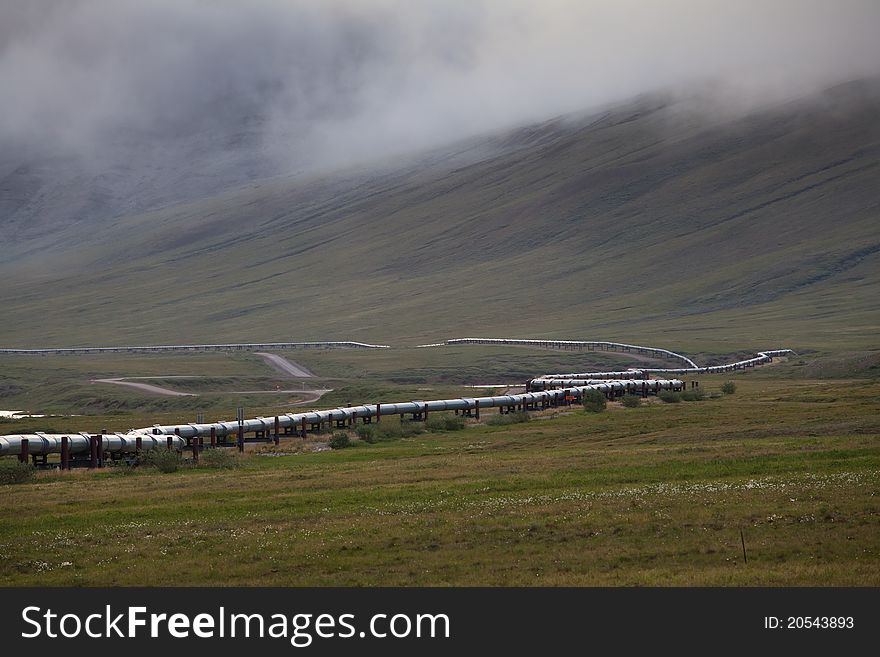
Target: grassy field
pixel 655 495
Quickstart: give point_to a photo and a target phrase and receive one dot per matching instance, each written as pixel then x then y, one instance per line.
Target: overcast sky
pixel 340 80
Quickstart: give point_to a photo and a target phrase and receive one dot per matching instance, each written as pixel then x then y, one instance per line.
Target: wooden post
pixel 241 436
pixel 213 436
pixel 477 409
pixel 65 453
pixel 303 430
pixel 194 443
pixel 277 428
pixel 170 443
pixel 24 451
pixel 378 412
pixel 93 452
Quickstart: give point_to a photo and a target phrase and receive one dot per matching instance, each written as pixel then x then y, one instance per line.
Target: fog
pixel 330 82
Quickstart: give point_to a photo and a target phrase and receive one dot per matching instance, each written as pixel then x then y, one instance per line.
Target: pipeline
pixel 113 443
pixel 235 346
pixel 571 344
pixel 580 378
pixel 547 390
pixel 78 443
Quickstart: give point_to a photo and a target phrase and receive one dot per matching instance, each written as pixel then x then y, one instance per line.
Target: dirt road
pixel 146 387
pixel 308 396
pixel 285 366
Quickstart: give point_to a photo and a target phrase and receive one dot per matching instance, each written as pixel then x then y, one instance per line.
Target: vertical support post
pixel 240 436
pixel 277 428
pixel 23 455
pixel 65 453
pixel 378 412
pixel 477 409
pixel 426 412
pixel 303 430
pixel 93 452
pixel 194 443
pixel 213 436
pixel 138 446
pixel 170 443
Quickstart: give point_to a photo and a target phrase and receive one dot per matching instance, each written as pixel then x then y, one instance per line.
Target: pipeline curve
pixel 541 392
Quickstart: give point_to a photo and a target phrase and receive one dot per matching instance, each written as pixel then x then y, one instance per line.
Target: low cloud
pixel 329 82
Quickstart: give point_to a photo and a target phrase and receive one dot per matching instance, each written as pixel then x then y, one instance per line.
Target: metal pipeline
pixel 78 443
pixel 544 389
pixel 295 420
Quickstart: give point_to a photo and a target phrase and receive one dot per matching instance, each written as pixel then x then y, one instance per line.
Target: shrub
pixel 340 440
pixel 164 460
pixel 594 401
pixel 220 458
pixel 16 473
pixel 631 401
pixel 728 387
pixel 406 429
pixel 373 433
pixel 369 433
pixel 445 423
pixel 669 396
pixel 694 394
pixel 508 418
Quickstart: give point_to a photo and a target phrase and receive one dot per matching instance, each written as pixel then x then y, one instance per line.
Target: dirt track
pixel 285 366
pixel 146 387
pixel 309 396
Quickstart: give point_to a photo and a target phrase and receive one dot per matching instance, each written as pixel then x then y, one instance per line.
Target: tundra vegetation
pixel 655 497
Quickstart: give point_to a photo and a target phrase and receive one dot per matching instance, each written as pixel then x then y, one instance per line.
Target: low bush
pixel 219 458
pixel 508 418
pixel 340 440
pixel 373 433
pixel 368 433
pixel 445 423
pixel 16 472
pixel 669 396
pixel 164 460
pixel 694 394
pixel 594 401
pixel 631 401
pixel 728 387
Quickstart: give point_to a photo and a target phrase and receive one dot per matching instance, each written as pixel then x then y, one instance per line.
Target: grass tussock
pixel 505 419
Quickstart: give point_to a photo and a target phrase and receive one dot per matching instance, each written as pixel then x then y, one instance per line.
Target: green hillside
pixel 650 221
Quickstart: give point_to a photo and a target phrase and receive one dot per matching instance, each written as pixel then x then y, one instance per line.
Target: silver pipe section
pixel 50 443
pixel 604 376
pixel 578 344
pixel 252 346
pixel 295 420
pixel 761 358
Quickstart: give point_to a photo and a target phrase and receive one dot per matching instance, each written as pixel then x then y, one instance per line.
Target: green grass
pixel 654 495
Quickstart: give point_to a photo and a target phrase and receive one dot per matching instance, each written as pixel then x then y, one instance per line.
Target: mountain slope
pixel 648 221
